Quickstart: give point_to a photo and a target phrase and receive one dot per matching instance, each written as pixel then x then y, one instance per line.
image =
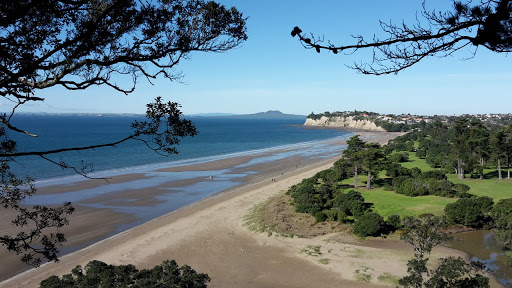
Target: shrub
pixel 461 189
pixel 99 274
pixel 319 216
pixel 399 157
pixel 469 211
pixel 350 203
pixel 395 170
pixel 370 224
pixel 433 174
pixel 331 215
pixel 394 222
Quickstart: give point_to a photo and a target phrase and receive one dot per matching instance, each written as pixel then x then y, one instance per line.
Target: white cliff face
pixel 343 122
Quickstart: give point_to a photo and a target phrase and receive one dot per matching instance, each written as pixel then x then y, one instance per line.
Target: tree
pixel 498 146
pixel 79 44
pixel 100 274
pixel 424 233
pixel 486 23
pixel 460 136
pixel 507 146
pixel 478 143
pixel 352 156
pixel 373 161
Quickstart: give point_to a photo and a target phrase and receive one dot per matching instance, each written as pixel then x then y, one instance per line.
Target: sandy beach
pixel 210 235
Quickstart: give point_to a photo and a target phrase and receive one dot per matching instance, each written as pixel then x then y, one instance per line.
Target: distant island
pixel 372 121
pixel 271 114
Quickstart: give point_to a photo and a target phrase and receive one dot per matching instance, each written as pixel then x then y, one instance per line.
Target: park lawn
pixel 494 188
pixel 416 162
pixel 387 203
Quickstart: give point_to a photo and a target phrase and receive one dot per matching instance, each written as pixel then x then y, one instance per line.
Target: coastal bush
pixel 472 212
pixel 304 198
pixel 394 222
pixel 350 203
pixel 99 274
pixel 394 170
pixel 461 189
pixel 399 157
pixel 329 177
pixel 428 183
pixel 396 145
pixel 369 224
pixel 501 214
pixel 421 153
pixel 433 174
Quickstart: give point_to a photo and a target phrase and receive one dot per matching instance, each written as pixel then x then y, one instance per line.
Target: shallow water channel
pixel 481 246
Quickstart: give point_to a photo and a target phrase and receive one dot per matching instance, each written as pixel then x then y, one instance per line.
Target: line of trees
pixel 466 147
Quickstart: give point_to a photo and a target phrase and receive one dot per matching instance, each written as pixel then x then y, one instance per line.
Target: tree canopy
pixel 79 44
pixel 99 274
pixel 483 23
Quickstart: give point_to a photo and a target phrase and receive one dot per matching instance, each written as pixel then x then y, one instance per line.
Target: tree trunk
pixel 481 168
pixel 508 167
pixel 499 170
pixel 355 176
pixel 369 182
pixel 460 169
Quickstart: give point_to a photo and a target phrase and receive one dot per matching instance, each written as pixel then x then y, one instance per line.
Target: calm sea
pixel 218 138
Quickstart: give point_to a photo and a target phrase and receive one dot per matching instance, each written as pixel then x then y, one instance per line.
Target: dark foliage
pixel 99 274
pixel 394 222
pixel 369 224
pixel 472 212
pixel 350 203
pixel 394 170
pixel 451 272
pixel 399 157
pixel 501 214
pixel 417 183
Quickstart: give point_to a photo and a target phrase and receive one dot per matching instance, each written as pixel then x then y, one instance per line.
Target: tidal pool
pixel 481 246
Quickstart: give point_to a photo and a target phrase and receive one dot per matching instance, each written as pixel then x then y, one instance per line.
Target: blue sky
pixel 272 71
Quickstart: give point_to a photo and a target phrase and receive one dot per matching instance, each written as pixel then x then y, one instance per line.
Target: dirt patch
pixel 281 218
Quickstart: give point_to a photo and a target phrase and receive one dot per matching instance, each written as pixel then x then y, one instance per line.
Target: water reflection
pixel 482 246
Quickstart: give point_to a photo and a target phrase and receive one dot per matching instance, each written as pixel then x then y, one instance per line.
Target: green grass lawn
pixel 416 162
pixel 491 186
pixel 388 202
pixel 494 188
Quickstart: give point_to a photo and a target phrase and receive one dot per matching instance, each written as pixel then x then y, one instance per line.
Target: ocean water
pixel 217 138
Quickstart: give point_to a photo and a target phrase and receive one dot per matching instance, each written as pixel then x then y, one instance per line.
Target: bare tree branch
pixel 486 24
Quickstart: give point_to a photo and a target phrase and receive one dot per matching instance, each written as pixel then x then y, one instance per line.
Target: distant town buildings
pixel 492 119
